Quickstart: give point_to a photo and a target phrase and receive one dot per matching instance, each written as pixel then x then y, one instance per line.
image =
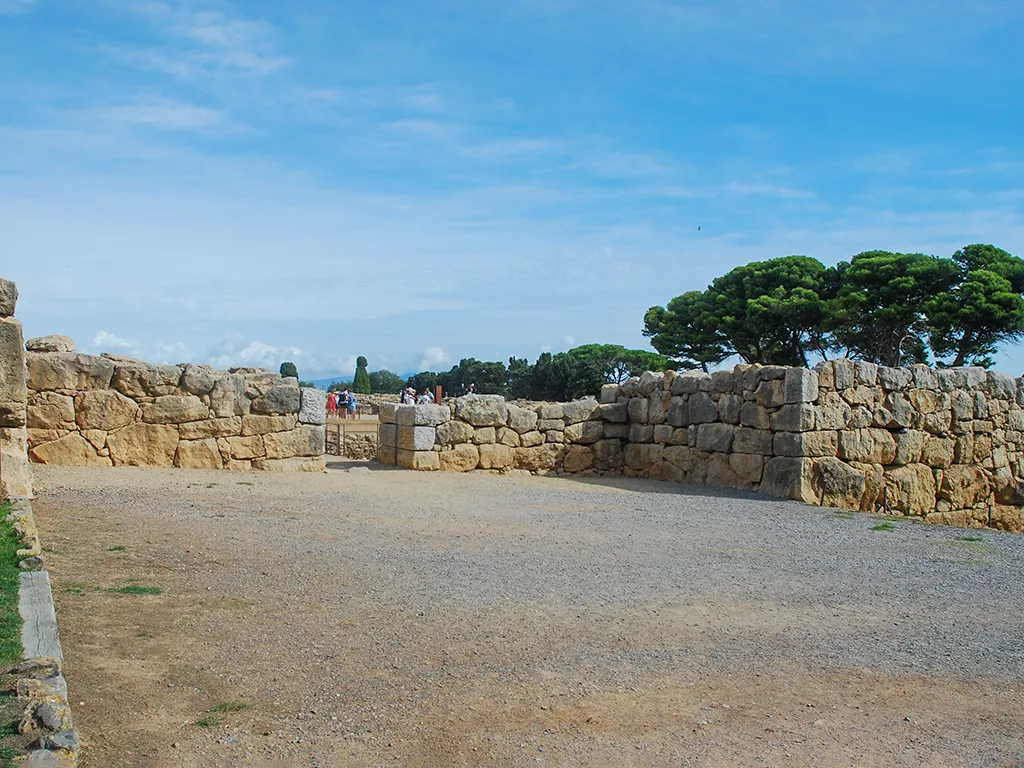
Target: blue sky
pixel 243 183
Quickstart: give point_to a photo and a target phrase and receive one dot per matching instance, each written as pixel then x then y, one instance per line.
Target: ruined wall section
pixel 945 445
pixel 15 474
pixel 84 410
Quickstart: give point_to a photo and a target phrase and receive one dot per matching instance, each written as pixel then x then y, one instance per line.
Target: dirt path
pixel 414 619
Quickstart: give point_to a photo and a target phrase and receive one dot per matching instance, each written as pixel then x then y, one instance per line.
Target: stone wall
pixel 944 445
pixel 84 410
pixel 15 474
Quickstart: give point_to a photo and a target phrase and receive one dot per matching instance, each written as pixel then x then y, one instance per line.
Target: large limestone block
pixel 554 436
pixel 586 409
pixel 938 452
pixel 550 411
pixel 71 451
pixel 454 432
pixel 509 437
pixel 538 458
pixel 641 433
pixel 1007 518
pixel 869 446
pixel 755 416
pixel 304 440
pixel 701 408
pixel 296 464
pixel 52 343
pixel 546 425
pixel 143 445
pixel 963 486
pixel 608 455
pixel 865 374
pixel 175 409
pixel 387 434
pixel 8 298
pixel 427 415
pixel 609 393
pixel 747 466
pixel 578 458
pixel 843 373
pixel 198 454
pixel 136 380
pixel 643 456
pixel 485 435
pixel 637 409
pixel 789 478
pixel 909 444
pixel 895 379
pixel 522 420
pixel 388 412
pixel 16 477
pixel 463 457
pixel 689 382
pixel 837 483
pixel 482 410
pixel 1001 386
pixel 227 398
pixel 280 399
pixel 584 432
pixel 615 412
pixel 747 440
pixel 236 447
pixel 721 474
pixel 729 407
pixel 198 379
pixel 104 409
pixel 496 456
pixel 677 415
pixel 200 430
pixel 910 489
pixel 40 436
pixel 657 407
pixel 715 437
pixel 424 461
pixel 650 381
pixel 416 438
pixel 805 444
pixel 255 424
pixel 50 410
pixel 312 406
pixel 663 433
pixel 770 394
pixel 666 472
pixel 387 454
pixel 531 439
pixel 795 417
pixel 619 431
pixel 800 385
pixel 13 393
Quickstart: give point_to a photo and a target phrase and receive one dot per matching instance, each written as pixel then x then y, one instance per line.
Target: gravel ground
pixel 398 618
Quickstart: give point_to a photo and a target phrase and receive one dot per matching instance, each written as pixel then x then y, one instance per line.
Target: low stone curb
pixel 41 686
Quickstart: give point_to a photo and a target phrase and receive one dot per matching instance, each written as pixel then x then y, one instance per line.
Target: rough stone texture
pixel 800 385
pixel 304 440
pixel 8 298
pixel 482 410
pixel 144 445
pixel 13 393
pixel 580 410
pixel 198 454
pixel 578 458
pixel 461 458
pixel 72 450
pixel 416 438
pixel 16 477
pixel 789 478
pixel 312 406
pixel 199 430
pixel 53 343
pixel 427 415
pixel 277 400
pixel 521 419
pixel 496 456
pixel 453 432
pixel 585 432
pixel 49 410
pixel 419 460
pixel 174 409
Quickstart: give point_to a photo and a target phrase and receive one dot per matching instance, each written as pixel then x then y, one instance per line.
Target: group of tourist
pixel 342 404
pixel 409 397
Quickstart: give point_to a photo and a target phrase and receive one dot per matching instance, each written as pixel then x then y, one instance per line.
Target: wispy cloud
pixel 768 190
pixel 167 115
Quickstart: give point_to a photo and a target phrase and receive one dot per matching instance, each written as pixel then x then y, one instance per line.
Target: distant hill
pixel 325 383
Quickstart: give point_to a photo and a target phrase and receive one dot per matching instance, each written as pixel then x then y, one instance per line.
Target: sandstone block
pixel 173 409
pixel 13 392
pixel 427 415
pixel 49 410
pixel 747 466
pixel 313 406
pixel 769 394
pixel 198 454
pixel 701 409
pixel 637 410
pixel 521 420
pixel 236 447
pixel 843 373
pixel 97 437
pixel 541 457
pixel 143 445
pixel 772 372
pixel 963 486
pixel 419 438
pixel 138 379
pixel 909 444
pixel 837 483
pixel 531 439
pixel 715 437
pixel 805 444
pixel 484 436
pixel 508 436
pixel 304 440
pixel 747 440
pixel 550 411
pixel 663 433
pixel 16 478
pixel 40 436
pixel 615 412
pixel 496 456
pixel 607 455
pixel 453 432
pixel 388 413
pixel 869 446
pixel 227 398
pixel 72 450
pixel 796 417
pixel 833 412
pixel 755 416
pixel 296 464
pixel 800 385
pixel 463 457
pixel 254 424
pixel 587 409
pixel 482 410
pixel 200 430
pixel 104 409
pixel 789 478
pixel 279 399
pixel 8 298
pixel 584 432
pixel 938 452
pixel 52 343
pixel 198 379
pixel 910 489
pixel 924 376
pixel 609 393
pixel 641 433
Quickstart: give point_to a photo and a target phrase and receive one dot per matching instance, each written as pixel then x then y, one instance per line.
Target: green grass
pixel 7 756
pixel 884 526
pixel 10 619
pixel 229 706
pixel 117 548
pixel 969 538
pixel 74 587
pixel 210 721
pixel 137 589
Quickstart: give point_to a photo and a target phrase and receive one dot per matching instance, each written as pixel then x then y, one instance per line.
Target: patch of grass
pixel 7 756
pixel 10 619
pixel 969 538
pixel 230 706
pixel 117 548
pixel 244 482
pixel 843 515
pixel 79 587
pixel 147 635
pixel 210 721
pixel 885 525
pixel 137 589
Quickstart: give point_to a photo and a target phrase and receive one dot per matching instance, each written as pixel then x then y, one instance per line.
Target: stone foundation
pixel 15 474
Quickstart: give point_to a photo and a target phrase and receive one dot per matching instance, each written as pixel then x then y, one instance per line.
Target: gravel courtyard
pixel 392 618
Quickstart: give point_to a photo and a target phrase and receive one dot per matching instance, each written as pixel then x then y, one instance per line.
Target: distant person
pixel 471 389
pixel 426 398
pixel 332 404
pixel 408 396
pixel 462 388
pixel 343 404
pixel 353 404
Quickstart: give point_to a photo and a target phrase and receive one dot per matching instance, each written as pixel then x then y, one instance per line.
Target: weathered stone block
pixel 427 415
pixel 608 455
pixel 657 407
pixel 924 377
pixel 280 399
pixel 313 406
pixel 419 438
pixel 964 486
pixel 804 444
pixel 482 410
pixel 388 454
pixel 8 298
pixel 641 433
pixel 532 439
pixel 584 432
pixel 642 456
pixel 538 458
pixel 678 412
pixel 254 424
pixel 637 410
pixel 1002 386
pixel 837 483
pixel 789 478
pixel 747 440
pixel 843 373
pixel 870 446
pixel 701 409
pixel 104 409
pixel 747 466
pixel 485 435
pixel 198 454
pixel 800 385
pixel 689 382
pixel 143 445
pixel 200 430
pixel 295 464
pixel 909 444
pixel 609 393
pixel 496 456
pixel 13 393
pixel 388 413
pixel 666 472
pixel 463 457
pixel 833 412
pixel 910 489
pixel 715 437
pixel 663 433
pixel 615 412
pixel 453 432
pixel 171 409
pixel 387 434
pixel 619 431
pixel 554 436
pixel 246 448
pixel 580 410
pixel 650 381
pixel 796 417
pixel 49 410
pixel 769 394
pixel 227 398
pixel 198 379
pixel 509 437
pixel 938 452
pixel 304 440
pixel 546 425
pixel 755 416
pixel 138 379
pixel 72 450
pixel 424 461
pixel 578 458
pixel 522 420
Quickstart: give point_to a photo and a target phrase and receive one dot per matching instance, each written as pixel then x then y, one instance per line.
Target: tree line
pixel 887 308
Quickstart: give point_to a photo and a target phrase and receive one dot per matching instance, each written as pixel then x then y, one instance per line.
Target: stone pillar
pixel 15 475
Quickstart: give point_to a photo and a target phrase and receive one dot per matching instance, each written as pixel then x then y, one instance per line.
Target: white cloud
pixel 435 359
pixel 569 341
pixel 166 115
pixel 770 190
pixel 105 341
pixel 237 351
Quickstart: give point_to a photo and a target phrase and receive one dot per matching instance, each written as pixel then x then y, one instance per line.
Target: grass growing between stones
pixel 117 548
pixel 10 618
pixel 213 718
pixel 885 525
pixel 137 589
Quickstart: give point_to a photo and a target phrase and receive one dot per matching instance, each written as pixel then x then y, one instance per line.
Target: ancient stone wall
pixel 945 445
pixel 84 410
pixel 15 474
